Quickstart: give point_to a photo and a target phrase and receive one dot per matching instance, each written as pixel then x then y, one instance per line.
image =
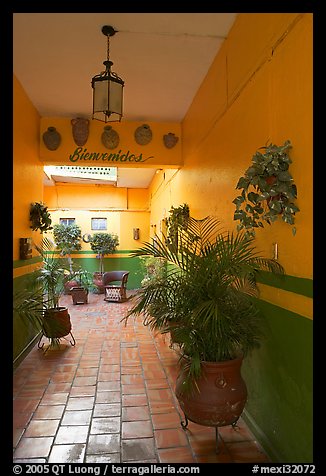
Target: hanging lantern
pixel 107 88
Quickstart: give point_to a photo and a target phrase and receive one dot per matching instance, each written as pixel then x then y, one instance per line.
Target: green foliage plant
pixel 67 239
pixel 268 190
pixel 103 244
pixel 152 268
pixel 206 299
pixel 44 287
pixel 178 217
pixel 39 217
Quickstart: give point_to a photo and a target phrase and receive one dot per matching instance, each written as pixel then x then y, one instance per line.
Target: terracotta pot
pixel 56 322
pixel 221 397
pixel 79 295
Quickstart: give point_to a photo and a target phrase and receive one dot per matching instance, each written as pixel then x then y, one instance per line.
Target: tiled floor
pixel 111 399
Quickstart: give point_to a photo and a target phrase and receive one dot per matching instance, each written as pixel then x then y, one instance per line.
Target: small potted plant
pixel 205 302
pixel 103 244
pixel 268 190
pixel 79 293
pixel 39 303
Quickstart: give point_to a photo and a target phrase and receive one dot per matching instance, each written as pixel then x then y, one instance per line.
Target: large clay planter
pixel 56 322
pixel 221 397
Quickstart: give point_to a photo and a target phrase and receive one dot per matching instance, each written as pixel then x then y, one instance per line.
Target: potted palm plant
pixel 39 302
pixel 206 301
pixel 103 244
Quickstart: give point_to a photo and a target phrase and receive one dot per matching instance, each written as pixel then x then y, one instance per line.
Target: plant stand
pixel 72 342
pixel 184 424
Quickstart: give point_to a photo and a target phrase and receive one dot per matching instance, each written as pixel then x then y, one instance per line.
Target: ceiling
pixel 162 58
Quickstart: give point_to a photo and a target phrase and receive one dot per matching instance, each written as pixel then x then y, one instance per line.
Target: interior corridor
pixel 111 399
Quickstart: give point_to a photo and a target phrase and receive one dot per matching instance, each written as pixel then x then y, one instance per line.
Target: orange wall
pixel 258 90
pixel 27 169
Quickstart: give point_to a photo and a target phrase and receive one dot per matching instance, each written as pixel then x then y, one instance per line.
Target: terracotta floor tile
pixel 108 397
pixel 133 389
pixel 108 385
pixel 237 433
pixel 71 434
pixel 109 376
pixel 87 391
pixel 131 369
pixel 20 420
pixel 157 384
pixel 107 409
pixel 42 428
pixel 105 425
pixel 29 392
pixel 137 429
pixel 82 381
pixel 134 400
pixel 170 438
pixel 135 413
pixel 54 399
pixel 23 405
pixel 166 420
pixel 107 368
pixel 49 412
pixel 80 403
pixel 67 453
pixel 63 377
pixel 176 455
pixel 161 407
pixel 58 388
pixel 160 395
pixel 101 444
pixel 105 458
pixel 246 452
pixel 129 379
pixel 77 417
pixel 140 449
pixel 33 447
pixel 87 372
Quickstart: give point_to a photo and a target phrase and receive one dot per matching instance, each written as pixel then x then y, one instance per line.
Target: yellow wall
pixel 27 169
pixel 258 90
pixel 120 223
pixel 124 209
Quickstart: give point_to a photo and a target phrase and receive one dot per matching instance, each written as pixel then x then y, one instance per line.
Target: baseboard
pixel 262 439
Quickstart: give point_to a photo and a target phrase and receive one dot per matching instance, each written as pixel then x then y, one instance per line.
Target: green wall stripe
pixel 20 263
pixel 279 378
pixel 293 284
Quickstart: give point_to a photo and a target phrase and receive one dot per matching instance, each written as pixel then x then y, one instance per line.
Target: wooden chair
pixel 115 285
